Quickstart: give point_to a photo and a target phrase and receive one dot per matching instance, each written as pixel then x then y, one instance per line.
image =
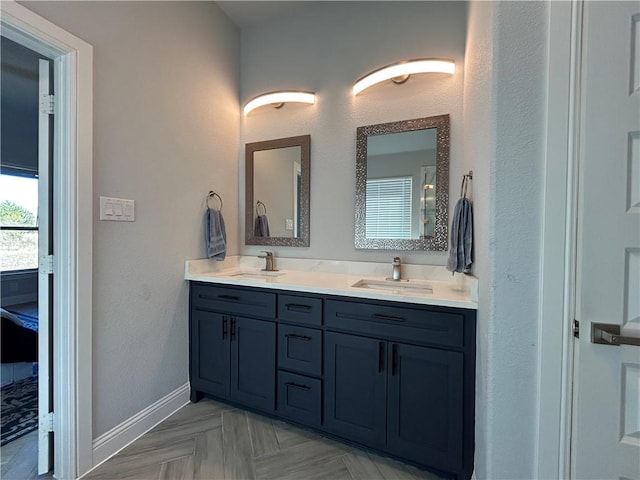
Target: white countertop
pixel 338 277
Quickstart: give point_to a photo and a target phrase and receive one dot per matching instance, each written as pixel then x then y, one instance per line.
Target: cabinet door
pixel 210 352
pixel 355 388
pixel 425 420
pixel 253 362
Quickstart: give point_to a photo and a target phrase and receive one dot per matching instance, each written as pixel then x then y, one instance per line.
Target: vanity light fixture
pixel 278 99
pixel 400 72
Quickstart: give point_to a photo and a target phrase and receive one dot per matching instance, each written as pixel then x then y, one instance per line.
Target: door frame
pixel 559 241
pixel 73 232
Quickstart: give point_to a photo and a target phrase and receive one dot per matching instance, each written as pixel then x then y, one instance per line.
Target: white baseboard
pixel 111 442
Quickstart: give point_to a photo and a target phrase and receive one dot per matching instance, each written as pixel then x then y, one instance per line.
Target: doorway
pixel 71 261
pixel 25 204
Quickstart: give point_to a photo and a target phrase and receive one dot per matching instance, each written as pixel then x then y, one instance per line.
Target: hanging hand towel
pixel 261 226
pixel 461 237
pixel 215 235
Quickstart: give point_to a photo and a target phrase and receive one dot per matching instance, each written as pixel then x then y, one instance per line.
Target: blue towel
pixel 461 237
pixel 215 235
pixel 261 226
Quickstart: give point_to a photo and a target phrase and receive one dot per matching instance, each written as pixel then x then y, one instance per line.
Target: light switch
pixel 117 209
pixel 288 224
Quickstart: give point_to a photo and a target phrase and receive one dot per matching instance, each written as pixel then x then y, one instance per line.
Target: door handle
pixel 224 328
pixel 380 356
pixel 609 334
pixel 394 359
pixel 233 328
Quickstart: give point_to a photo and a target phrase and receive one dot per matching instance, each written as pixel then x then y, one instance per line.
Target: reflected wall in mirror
pixel 277 192
pixel 402 185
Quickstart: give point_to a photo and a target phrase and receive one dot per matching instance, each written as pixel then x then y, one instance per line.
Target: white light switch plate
pixel 117 209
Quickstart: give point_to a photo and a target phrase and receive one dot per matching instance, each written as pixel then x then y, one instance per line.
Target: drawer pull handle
pixel 229 297
pixel 295 385
pixel 388 318
pixel 294 307
pixel 298 337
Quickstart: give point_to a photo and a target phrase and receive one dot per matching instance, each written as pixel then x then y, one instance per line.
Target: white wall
pixel 326 49
pixel 504 118
pixel 166 131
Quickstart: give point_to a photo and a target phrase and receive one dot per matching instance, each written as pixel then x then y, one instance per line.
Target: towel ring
pixel 258 205
pixel 465 182
pixel 211 195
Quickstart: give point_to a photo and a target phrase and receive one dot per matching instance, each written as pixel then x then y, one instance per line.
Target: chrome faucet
pixel 396 274
pixel 268 257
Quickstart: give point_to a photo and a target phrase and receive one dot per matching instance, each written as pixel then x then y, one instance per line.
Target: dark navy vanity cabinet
pixel 233 356
pixel 395 377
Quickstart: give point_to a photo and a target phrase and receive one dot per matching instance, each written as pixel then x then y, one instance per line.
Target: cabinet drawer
pixel 300 309
pixel 299 398
pixel 414 325
pixel 233 300
pixel 300 349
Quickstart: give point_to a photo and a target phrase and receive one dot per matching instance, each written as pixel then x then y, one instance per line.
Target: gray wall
pixel 326 49
pixel 179 148
pixel 504 140
pixel 166 131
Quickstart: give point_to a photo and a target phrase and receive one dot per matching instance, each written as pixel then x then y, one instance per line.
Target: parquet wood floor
pixel 213 441
pixel 210 440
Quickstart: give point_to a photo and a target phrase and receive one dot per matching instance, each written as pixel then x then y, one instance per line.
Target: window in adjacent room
pixel 18 222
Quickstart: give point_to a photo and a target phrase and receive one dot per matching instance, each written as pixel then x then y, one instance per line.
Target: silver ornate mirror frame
pixel 439 242
pixel 302 240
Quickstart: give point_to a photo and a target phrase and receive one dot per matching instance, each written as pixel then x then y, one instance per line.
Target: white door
pixel 45 276
pixel 606 414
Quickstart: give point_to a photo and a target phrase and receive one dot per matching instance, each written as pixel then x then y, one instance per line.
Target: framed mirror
pixel 402 185
pixel 277 182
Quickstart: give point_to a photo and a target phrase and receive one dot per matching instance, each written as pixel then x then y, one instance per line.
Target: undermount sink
pixel 401 286
pixel 255 274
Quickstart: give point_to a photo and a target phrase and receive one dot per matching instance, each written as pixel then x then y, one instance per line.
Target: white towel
pixel 460 258
pixel 215 235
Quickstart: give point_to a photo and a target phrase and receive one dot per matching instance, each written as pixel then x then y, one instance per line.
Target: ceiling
pixel 250 13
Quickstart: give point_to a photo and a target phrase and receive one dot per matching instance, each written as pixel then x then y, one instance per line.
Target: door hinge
pixel 576 328
pixel 46 264
pixel 46 422
pixel 47 103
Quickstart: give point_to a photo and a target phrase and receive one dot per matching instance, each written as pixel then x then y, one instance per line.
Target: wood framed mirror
pixel 402 185
pixel 277 182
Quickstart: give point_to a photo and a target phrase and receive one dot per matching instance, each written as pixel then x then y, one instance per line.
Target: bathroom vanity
pixel 391 370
